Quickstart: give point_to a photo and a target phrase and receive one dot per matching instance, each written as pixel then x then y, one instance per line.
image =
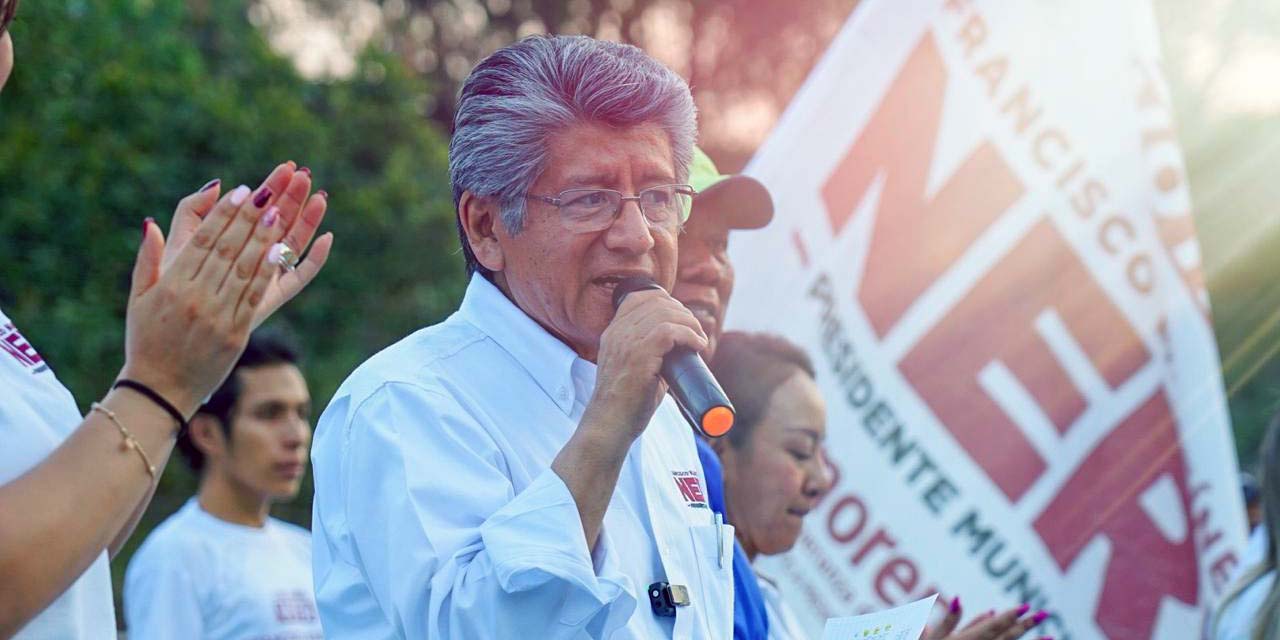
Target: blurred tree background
pixel 117 108
pixel 1223 58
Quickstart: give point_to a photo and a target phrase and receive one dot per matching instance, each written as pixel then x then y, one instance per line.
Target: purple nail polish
pixel 269 218
pixel 1039 616
pixel 261 197
pixel 955 605
pixel 145 224
pixel 210 184
pixel 1023 609
pixel 238 196
pixel 305 170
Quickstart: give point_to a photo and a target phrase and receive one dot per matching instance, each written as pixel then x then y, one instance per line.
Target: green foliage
pixel 118 108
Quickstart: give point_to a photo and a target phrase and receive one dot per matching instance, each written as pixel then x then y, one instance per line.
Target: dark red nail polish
pixel 146 222
pixel 305 170
pixel 955 605
pixel 1023 609
pixel 261 197
pixel 210 184
pixel 323 194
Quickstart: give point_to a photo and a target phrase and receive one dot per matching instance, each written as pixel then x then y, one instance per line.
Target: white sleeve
pixel 161 598
pixel 448 547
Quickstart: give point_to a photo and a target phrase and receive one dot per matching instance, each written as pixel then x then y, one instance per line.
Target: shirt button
pixel 564 394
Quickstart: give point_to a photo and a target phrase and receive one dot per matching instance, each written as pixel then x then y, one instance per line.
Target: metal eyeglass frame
pixel 558 200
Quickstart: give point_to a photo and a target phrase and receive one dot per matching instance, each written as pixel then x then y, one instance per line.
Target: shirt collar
pixel 210 521
pixel 548 360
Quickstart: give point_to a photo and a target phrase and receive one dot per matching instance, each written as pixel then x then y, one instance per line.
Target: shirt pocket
pixel 713 549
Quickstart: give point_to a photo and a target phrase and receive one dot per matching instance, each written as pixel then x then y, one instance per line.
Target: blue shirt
pixel 749 619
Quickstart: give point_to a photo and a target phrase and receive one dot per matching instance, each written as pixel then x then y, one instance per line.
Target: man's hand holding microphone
pixel 650 329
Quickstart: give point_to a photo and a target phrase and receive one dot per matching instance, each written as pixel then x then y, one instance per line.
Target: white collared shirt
pixel 437 514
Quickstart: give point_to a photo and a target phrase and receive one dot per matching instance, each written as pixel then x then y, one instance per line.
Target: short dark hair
pixel 750 367
pixel 264 349
pixel 7 10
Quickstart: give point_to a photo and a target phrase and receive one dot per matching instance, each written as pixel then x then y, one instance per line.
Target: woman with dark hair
pixel 775 471
pixel 72 488
pixel 1252 608
pixel 781 424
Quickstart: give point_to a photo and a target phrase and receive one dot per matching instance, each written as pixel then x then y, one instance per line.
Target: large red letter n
pixel 916 237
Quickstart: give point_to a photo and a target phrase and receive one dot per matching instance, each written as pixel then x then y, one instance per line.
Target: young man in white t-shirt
pixel 221 567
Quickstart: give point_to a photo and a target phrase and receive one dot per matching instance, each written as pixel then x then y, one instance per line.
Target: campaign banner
pixel 984 239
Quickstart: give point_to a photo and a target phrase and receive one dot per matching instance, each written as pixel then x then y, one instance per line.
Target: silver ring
pixel 283 255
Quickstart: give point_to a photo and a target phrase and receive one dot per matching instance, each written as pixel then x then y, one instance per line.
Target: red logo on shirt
pixel 295 606
pixel 12 343
pixel 690 486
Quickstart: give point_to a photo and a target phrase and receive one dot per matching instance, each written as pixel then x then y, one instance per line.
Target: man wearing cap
pixel 704 277
pixel 704 282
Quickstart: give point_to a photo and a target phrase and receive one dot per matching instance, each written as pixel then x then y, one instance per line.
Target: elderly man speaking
pixel 517 470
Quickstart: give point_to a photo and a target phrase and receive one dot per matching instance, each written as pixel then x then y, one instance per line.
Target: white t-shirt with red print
pixel 36 414
pixel 197 576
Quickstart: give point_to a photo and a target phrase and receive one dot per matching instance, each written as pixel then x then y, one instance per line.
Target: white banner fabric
pixel 984 240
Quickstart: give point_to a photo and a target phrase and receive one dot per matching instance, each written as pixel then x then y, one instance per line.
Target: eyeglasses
pixel 587 210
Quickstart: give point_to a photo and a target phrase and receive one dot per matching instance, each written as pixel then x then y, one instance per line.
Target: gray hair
pixel 522 94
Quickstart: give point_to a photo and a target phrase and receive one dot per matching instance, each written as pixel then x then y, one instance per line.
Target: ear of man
pixel 207 435
pixel 481 219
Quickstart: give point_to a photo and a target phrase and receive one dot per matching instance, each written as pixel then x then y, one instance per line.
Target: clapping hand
pixel 300 217
pixel 194 302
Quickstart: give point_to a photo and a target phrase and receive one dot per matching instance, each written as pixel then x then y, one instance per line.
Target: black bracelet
pixel 156 398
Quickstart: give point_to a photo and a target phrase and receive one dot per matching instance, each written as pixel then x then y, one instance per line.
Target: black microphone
pixel 696 391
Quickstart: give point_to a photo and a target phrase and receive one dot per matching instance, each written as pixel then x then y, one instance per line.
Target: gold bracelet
pixel 130 442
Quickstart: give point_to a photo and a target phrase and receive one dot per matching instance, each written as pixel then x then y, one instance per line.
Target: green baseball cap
pixel 741 201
